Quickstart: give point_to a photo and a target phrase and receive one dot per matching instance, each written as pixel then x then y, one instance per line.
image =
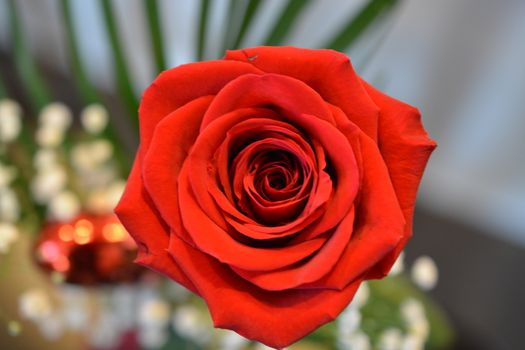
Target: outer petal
pixel 276 319
pixel 136 212
pixel 176 87
pixel 405 147
pixel 328 72
pixel 379 225
pixel 291 96
pixel 172 140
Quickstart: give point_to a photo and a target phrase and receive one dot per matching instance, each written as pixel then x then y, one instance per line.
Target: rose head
pixel 272 183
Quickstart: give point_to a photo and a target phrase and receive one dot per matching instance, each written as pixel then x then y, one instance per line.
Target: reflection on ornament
pixel 88 250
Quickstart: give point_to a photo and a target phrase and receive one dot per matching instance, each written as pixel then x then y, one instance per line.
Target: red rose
pixel 272 183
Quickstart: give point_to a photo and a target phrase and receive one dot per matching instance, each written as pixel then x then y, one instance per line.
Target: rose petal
pixel 289 95
pixel 379 227
pixel 172 140
pixel 328 72
pixel 136 212
pixel 312 269
pixel 177 86
pixel 405 147
pixel 276 319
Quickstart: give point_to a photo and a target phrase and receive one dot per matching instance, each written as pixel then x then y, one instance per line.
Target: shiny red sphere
pixel 89 250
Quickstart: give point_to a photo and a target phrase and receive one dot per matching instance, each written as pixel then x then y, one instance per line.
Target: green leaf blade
pixel 359 23
pixel 285 21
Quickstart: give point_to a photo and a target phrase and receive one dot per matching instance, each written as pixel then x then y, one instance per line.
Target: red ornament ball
pixel 89 250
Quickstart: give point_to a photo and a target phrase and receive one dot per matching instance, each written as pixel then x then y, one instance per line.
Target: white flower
pixel 48 183
pixel 64 206
pixel 349 321
pixel 411 342
pixel 232 341
pixel 260 346
pixel 188 323
pixel 124 303
pixel 424 273
pixel 49 136
pixel 104 200
pixel 398 266
pixel 104 332
pixel 355 341
pixel 414 315
pixel 101 150
pixel 114 192
pixel 88 156
pixel 94 118
pixel 35 304
pixel 10 120
pixel 8 235
pixel 98 178
pixel 51 327
pixel 361 296
pixel 56 116
pixel 390 339
pixel 154 313
pixel 412 310
pixel 45 158
pixel 9 206
pixel 75 307
pixel 7 175
pixel 153 338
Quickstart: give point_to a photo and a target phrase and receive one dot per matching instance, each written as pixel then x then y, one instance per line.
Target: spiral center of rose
pixel 271 180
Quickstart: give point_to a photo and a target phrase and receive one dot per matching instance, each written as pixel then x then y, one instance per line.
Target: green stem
pixel 87 90
pixel 3 91
pixel 203 20
pixel 287 18
pixel 359 23
pixel 33 83
pixel 251 10
pixel 121 70
pixel 231 24
pixel 152 12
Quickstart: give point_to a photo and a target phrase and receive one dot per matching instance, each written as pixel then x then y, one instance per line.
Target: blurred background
pixel 75 70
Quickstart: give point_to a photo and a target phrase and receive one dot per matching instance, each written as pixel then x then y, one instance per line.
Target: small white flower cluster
pixel 104 315
pixel 90 161
pixel 9 208
pixel 54 120
pixel 93 163
pixel 154 317
pixel 349 334
pixel 424 273
pixel 399 265
pixel 10 127
pixel 35 305
pixel 10 121
pixel 49 186
pixel 94 119
pixel 190 323
pixel 417 325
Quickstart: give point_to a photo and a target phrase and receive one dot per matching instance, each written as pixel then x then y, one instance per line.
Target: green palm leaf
pixel 120 66
pixel 155 30
pixel 201 30
pixel 29 74
pixel 359 23
pixel 249 15
pixel 285 21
